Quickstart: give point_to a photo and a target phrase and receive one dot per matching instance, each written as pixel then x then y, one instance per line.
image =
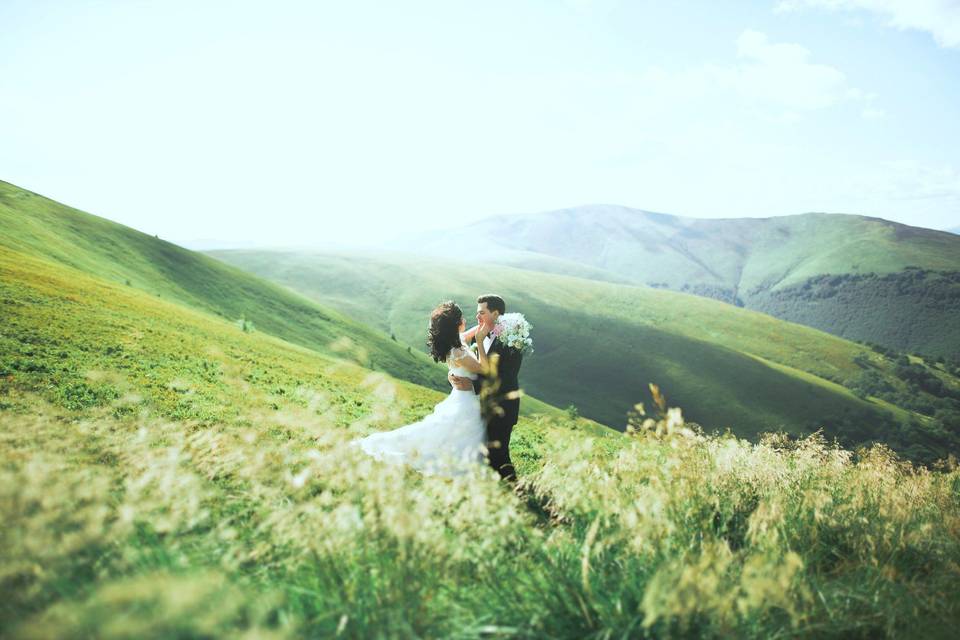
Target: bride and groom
pixel 474 423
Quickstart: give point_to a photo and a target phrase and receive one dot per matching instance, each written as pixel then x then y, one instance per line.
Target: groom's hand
pixel 463 384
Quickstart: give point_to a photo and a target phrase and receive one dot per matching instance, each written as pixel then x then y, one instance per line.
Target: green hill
pixel 598 345
pixel 767 264
pixel 166 473
pixel 36 226
pixel 82 342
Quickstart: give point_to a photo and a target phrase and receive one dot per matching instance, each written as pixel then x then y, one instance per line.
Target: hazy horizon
pixel 214 243
pixel 319 124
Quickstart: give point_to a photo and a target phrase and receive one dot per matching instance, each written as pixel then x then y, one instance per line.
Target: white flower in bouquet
pixel 513 330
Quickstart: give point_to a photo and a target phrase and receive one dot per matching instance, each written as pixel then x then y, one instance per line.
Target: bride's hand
pixel 482 332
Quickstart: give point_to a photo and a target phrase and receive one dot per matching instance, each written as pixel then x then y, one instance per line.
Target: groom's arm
pixel 457 382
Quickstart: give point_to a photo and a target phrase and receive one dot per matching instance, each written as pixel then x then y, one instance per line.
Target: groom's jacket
pixel 508 373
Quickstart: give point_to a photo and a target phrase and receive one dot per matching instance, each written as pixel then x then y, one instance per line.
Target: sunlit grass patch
pixel 110 522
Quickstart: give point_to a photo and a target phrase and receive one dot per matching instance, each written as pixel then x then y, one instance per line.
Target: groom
pixel 503 408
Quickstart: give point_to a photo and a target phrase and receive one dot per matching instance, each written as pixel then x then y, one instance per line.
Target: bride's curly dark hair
pixel 444 332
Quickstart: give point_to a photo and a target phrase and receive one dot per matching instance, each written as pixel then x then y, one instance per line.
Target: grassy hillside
pixel 32 225
pixel 744 261
pixel 81 342
pixel 164 473
pixel 598 345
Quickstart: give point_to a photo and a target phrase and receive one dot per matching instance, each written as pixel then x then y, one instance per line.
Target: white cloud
pixel 777 81
pixel 783 74
pixel 941 18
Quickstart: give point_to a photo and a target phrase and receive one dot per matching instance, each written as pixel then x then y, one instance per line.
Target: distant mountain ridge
pixel 766 264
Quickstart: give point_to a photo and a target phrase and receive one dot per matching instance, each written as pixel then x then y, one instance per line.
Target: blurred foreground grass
pixel 150 528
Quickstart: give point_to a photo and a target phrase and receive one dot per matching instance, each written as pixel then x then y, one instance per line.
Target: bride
pixel 449 441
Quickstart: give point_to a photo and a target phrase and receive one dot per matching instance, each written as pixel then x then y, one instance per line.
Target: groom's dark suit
pixel 500 427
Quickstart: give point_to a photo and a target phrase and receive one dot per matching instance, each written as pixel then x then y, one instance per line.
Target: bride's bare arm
pixel 469 334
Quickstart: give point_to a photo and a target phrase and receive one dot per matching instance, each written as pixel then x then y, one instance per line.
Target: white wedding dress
pixel 448 442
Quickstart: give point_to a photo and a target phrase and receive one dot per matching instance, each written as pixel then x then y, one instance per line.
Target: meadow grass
pixel 165 474
pixel 153 528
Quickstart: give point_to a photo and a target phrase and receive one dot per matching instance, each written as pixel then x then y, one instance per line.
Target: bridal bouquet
pixel 514 331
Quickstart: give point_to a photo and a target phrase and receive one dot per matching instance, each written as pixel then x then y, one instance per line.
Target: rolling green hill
pixel 599 344
pixel 32 225
pixel 37 228
pixel 767 264
pixel 81 342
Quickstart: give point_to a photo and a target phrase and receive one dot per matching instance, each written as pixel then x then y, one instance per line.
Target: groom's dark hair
pixel 494 302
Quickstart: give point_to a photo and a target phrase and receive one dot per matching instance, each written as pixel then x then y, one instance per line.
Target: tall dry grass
pixel 145 528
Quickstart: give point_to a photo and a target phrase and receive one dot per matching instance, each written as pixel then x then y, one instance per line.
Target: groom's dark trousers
pixel 499 430
pixel 500 422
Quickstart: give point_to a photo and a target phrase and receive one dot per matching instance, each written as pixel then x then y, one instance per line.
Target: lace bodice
pixel 455 354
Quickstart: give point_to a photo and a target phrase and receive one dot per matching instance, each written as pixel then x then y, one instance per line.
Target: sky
pixel 315 123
